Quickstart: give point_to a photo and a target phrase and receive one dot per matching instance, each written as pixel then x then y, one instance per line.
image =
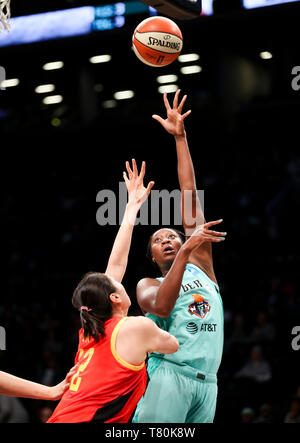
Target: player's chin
pixel 171 254
pixel 169 257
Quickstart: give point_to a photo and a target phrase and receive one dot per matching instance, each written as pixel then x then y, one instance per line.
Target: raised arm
pixel 191 210
pixel 137 194
pixel 174 125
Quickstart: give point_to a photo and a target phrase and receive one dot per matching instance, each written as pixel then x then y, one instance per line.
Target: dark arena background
pixel 243 135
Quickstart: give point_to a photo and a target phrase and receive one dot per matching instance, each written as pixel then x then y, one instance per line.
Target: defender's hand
pixel 137 193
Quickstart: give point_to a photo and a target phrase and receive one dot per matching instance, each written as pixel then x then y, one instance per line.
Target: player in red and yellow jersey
pixel 111 376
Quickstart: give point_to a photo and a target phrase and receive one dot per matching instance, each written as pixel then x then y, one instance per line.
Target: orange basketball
pixel 157 41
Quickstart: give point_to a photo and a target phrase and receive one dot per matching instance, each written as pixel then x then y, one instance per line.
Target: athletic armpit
pixel 146 292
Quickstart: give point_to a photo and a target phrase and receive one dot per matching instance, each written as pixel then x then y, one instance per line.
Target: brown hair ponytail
pixel 91 298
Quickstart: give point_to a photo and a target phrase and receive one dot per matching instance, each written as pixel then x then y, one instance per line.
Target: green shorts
pixel 177 394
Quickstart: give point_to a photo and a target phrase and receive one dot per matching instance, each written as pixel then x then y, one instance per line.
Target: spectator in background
pixel 264 331
pixel 293 415
pixel 236 343
pixel 238 334
pixel 247 415
pixel 50 373
pixel 12 410
pixel 265 414
pixel 52 343
pixel 44 413
pixel 11 387
pixel 257 368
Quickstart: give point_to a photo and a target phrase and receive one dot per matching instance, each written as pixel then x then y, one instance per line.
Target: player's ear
pixel 115 298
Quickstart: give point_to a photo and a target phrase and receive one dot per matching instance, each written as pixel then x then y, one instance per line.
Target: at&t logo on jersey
pixel 200 307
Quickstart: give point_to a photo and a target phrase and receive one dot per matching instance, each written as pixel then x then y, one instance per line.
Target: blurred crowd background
pixel 243 136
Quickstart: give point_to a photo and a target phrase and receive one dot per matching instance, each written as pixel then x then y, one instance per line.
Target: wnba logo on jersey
pixel 200 307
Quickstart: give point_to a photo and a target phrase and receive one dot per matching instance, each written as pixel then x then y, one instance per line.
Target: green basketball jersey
pixel 197 321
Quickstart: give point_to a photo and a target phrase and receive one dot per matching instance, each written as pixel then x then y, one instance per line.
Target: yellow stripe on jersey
pixel 114 351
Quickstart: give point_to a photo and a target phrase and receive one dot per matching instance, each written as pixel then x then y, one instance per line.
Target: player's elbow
pixel 162 312
pixel 156 308
pixel 173 345
pixel 162 307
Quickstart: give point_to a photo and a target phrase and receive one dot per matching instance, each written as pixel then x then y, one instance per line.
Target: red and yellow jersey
pixel 105 388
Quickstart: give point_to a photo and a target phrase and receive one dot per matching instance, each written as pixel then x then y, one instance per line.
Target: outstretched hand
pixel 137 193
pixel 203 234
pixel 58 390
pixel 174 123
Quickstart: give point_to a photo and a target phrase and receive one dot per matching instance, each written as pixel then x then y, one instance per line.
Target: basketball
pixel 157 41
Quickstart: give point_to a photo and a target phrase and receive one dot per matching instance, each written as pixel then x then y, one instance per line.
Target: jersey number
pixel 76 380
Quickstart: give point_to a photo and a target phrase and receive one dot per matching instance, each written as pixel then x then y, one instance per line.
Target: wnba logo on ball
pixel 2 78
pixel 2 339
pixel 162 207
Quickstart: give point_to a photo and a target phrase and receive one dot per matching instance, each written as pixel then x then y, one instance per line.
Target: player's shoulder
pixel 147 282
pixel 138 323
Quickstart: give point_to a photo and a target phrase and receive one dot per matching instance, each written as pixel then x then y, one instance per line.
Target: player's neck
pixel 120 312
pixel 165 267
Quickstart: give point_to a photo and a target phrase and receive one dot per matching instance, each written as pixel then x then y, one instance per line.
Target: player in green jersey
pixel 185 301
